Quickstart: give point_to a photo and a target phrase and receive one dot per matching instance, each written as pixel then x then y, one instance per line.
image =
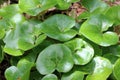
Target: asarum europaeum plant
pixel 60 47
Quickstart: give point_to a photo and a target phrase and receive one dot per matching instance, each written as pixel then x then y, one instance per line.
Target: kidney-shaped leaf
pixel 114 14
pixel 59 27
pixel 82 51
pixel 50 77
pixel 92 5
pixel 101 70
pixel 22 38
pixel 11 9
pixel 76 75
pixel 116 70
pixel 34 7
pixel 95 29
pixel 57 56
pixel 21 72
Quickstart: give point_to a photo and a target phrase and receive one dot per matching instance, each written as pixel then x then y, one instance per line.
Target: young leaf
pixel 59 27
pixel 22 38
pixel 34 7
pixel 11 9
pixel 82 51
pixel 101 70
pixel 92 5
pixel 54 57
pixel 113 13
pixel 95 29
pixel 50 77
pixel 21 72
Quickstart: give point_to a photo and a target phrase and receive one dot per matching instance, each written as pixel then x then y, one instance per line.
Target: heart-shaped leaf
pixel 76 75
pixel 82 51
pixel 92 5
pixel 22 38
pixel 50 77
pixel 34 7
pixel 95 29
pixel 59 27
pixel 113 13
pixel 116 70
pixel 101 70
pixel 21 72
pixel 65 4
pixel 54 57
pixel 11 9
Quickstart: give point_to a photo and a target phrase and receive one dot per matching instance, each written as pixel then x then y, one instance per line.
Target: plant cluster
pixel 58 46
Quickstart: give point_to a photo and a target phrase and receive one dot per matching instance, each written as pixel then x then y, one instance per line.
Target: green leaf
pixel 50 77
pixel 63 4
pixel 113 13
pixel 55 57
pixel 2 33
pixel 116 69
pixel 76 75
pixel 95 29
pixel 14 15
pixel 1 54
pixel 92 5
pixel 82 51
pixel 101 70
pixel 21 72
pixel 34 7
pixel 11 9
pixel 22 38
pixel 59 27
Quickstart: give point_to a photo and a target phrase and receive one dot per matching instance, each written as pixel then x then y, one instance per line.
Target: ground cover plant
pixel 59 40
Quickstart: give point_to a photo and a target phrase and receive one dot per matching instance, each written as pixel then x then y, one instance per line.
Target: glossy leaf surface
pixel 82 51
pixel 59 27
pixel 101 70
pixel 113 13
pixel 95 30
pixel 77 75
pixel 22 38
pixel 116 70
pixel 50 77
pixel 34 7
pixel 21 72
pixel 93 4
pixel 55 57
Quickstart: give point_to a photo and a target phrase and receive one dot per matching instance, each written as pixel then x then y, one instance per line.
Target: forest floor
pixel 76 7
